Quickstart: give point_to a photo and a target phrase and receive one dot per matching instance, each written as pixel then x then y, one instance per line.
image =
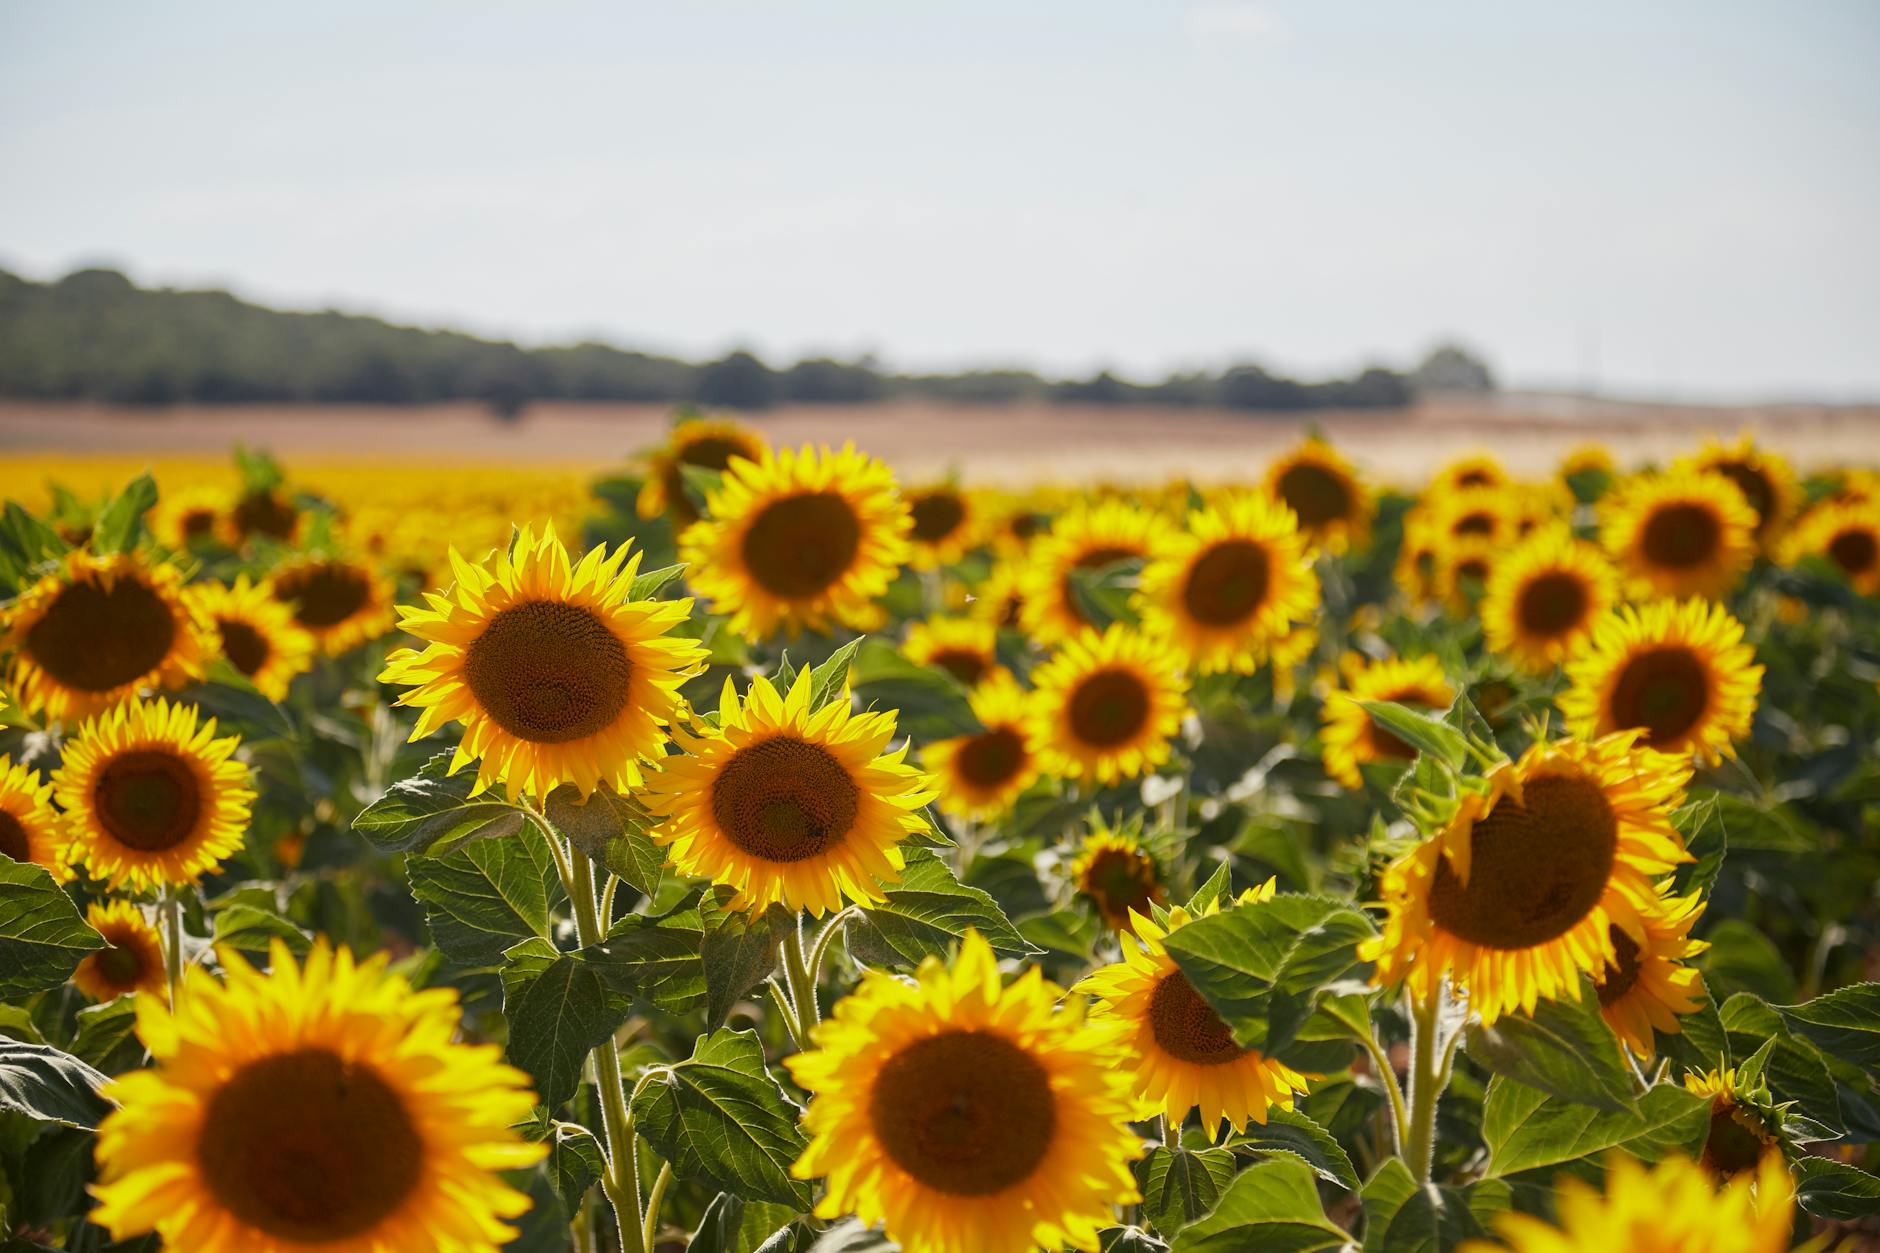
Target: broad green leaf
pixel 1833 1189
pixel 699 483
pixel 826 681
pixel 1179 1185
pixel 481 899
pixel 25 541
pixel 656 958
pixel 1271 1205
pixel 1794 1070
pixel 1288 1131
pixel 1707 841
pixel 1217 888
pixel 1102 596
pixel 106 1036
pixel 649 583
pixel 259 470
pixel 718 1226
pixel 1403 1216
pixel 1424 732
pixel 575 1163
pixel 117 527
pixel 737 953
pixel 433 807
pixel 613 830
pixel 1528 1130
pixel 48 1085
pixel 1742 959
pixel 720 1118
pixel 558 1010
pixel 42 937
pixel 1565 1050
pixel 929 703
pixel 251 930
pixel 925 914
pixel 1844 1023
pixel 227 695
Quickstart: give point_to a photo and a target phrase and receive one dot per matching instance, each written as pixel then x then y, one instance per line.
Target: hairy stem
pixel 802 978
pixel 1426 1084
pixel 171 909
pixel 650 1232
pixel 1387 1075
pixel 621 1179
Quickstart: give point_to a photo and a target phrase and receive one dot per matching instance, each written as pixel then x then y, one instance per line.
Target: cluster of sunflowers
pixel 801 862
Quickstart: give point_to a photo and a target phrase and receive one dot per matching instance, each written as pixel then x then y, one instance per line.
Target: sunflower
pixel 1419 559
pixel 1681 672
pixel 1847 534
pixel 799 539
pixel 263 512
pixel 1739 1137
pixel 966 648
pixel 786 804
pixel 1117 876
pixel 980 775
pixel 325 1108
pixel 1765 478
pixel 708 444
pixel 132 959
pixel 1645 988
pixel 1519 895
pixel 1085 538
pixel 1465 566
pixel 1543 599
pixel 151 797
pixel 1000 600
pixel 1592 457
pixel 556 676
pixel 257 633
pixel 101 629
pixel 29 825
pixel 1106 705
pixel 1681 533
pixel 1672 1207
pixel 193 515
pixel 1350 737
pixel 1489 515
pixel 1332 504
pixel 1239 578
pixel 1183 1055
pixel 1476 469
pixel 967 1116
pixel 945 528
pixel 341 602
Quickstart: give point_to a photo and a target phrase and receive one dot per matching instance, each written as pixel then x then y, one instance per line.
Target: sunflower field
pixel 746 852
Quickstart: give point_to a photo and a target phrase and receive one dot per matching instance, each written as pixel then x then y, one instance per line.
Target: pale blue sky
pixel 1681 198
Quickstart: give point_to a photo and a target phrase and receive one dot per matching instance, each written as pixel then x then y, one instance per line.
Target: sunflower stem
pixel 802 977
pixel 1387 1075
pixel 650 1231
pixel 828 933
pixel 1426 1084
pixel 171 909
pixel 785 1011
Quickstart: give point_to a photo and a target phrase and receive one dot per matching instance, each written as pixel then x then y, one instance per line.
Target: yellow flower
pixel 257 633
pixel 967 1116
pixel 1476 469
pixel 99 630
pixel 326 1108
pixel 1739 1140
pixel 1682 533
pixel 266 514
pixel 1765 478
pixel 1520 894
pixel 1543 599
pixel 132 959
pixel 151 797
pixel 1105 706
pixel 1644 988
pixel 1000 600
pixel 945 528
pixel 980 775
pixel 29 825
pixel 1114 872
pixel 1846 533
pixel 1681 672
pixel 1350 738
pixel 1465 566
pixel 1331 502
pixel 706 443
pixel 192 515
pixel 1237 580
pixel 788 804
pixel 1184 1056
pixel 556 676
pixel 799 540
pixel 1084 538
pixel 966 648
pixel 342 603
pixel 1489 515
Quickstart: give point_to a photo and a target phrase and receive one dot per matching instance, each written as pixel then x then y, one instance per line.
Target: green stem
pixel 1426 1085
pixel 171 909
pixel 1387 1075
pixel 785 1011
pixel 650 1231
pixel 828 933
pixel 802 979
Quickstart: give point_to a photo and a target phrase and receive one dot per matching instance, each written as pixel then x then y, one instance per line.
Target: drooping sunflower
pixel 1847 533
pixel 29 825
pixel 1764 476
pixel 265 512
pixel 1679 671
pixel 1184 1056
pixel 966 648
pixel 945 527
pixel 257 633
pixel 193 515
pixel 788 804
pixel 799 539
pixel 979 776
pixel 1117 875
pixel 1332 504
pixel 132 959
pixel 1672 1207
pixel 1645 988
pixel 1237 579
pixel 1350 737
pixel 1520 894
pixel 1544 597
pixel 1740 1137
pixel 1083 538
pixel 965 1115
pixel 1476 469
pixel 706 443
pixel 555 674
pixel 326 1108
pixel 99 630
pixel 341 602
pixel 1681 533
pixel 151 798
pixel 1105 706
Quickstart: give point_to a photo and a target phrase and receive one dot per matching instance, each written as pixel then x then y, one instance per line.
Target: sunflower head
pixel 29 825
pixel 966 648
pixel 1084 539
pixel 981 775
pixel 1350 737
pixel 1467 472
pixel 1331 503
pixel 1741 1134
pixel 1000 600
pixel 1682 533
pixel 1765 478
pixel 130 961
pixel 945 527
pixel 1106 706
pixel 342 602
pixel 257 634
pixel 1646 987
pixel 1465 567
pixel 966 1115
pixel 1117 875
pixel 1485 514
pixel 194 516
pixel 1544 597
pixel 704 443
pixel 1847 534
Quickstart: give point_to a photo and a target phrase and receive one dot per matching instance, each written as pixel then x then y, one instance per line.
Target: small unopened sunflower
pixel 257 633
pixel 321 1108
pixel 945 528
pixel 1544 597
pixel 787 804
pixel 1471 470
pixel 1085 538
pixel 191 516
pixel 1350 737
pixel 1846 533
pixel 1681 533
pixel 1764 476
pixel 151 798
pixel 1237 579
pixel 555 674
pixel 99 630
pixel 966 648
pixel 1117 875
pixel 799 539
pixel 1332 504
pixel 1521 893
pixel 130 961
pixel 967 1116
pixel 1680 672
pixel 341 602
pixel 1646 987
pixel 704 443
pixel 1740 1137
pixel 1184 1055
pixel 981 775
pixel 1105 706
pixel 29 825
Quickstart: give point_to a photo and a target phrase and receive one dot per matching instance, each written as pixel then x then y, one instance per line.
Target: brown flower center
pixel 1228 584
pixel 1552 603
pixel 549 672
pixel 1109 708
pixel 148 799
pixel 785 800
pixel 1665 691
pixel 13 841
pixel 263 513
pixel 1622 973
pixel 962 663
pixel 1756 489
pixel 309 1148
pixel 246 648
pixel 799 546
pixel 121 965
pixel 1476 522
pixel 1854 551
pixel 968 1113
pixel 936 516
pixel 1317 495
pixel 1731 1147
pixel 709 453
pixel 1187 1027
pixel 324 594
pixel 1681 535
pixel 990 760
pixel 1120 880
pixel 197 523
pixel 94 638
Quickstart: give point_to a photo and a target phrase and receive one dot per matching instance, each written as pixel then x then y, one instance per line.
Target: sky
pixel 1679 199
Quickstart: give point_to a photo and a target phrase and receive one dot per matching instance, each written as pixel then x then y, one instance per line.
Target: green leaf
pixel 1742 959
pixel 827 680
pixel 575 1163
pixel 718 1226
pixel 613 830
pixel 1525 1129
pixel 1706 839
pixel 1288 1131
pixel 1403 1216
pixel 1424 732
pixel 649 584
pixel 925 914
pixel 118 524
pixel 435 807
pixel 739 952
pixel 558 1010
pixel 1217 889
pixel 25 541
pixel 1844 1023
pixel 42 937
pixel 1565 1049
pixel 1263 966
pixel 929 703
pixel 656 957
pixel 481 899
pixel 1837 1190
pixel 259 470
pixel 47 1085
pixel 1102 596
pixel 1271 1205
pixel 719 1117
pixel 251 929
pixel 106 1035
pixel 699 483
pixel 1179 1185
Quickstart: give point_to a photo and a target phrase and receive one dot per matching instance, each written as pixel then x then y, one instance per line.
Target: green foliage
pixel 42 936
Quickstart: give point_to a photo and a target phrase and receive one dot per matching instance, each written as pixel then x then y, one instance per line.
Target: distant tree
pixel 820 380
pixel 739 381
pixel 1452 368
pixel 1251 387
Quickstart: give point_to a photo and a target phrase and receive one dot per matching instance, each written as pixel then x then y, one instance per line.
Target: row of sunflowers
pixel 745 851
